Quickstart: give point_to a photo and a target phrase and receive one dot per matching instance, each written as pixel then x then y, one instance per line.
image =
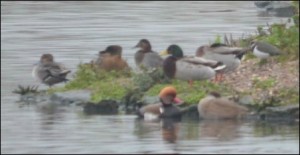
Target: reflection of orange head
pixel 169 90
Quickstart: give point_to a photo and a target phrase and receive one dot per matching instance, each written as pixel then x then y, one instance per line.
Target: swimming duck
pixel 229 56
pixel 165 108
pixel 49 72
pixel 111 59
pixel 213 106
pixel 146 57
pixel 188 68
pixel 264 50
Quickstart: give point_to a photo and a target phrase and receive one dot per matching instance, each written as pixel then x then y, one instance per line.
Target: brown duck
pixel 214 106
pixel 111 59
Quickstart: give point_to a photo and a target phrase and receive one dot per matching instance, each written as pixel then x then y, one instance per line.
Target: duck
pixel 264 50
pixel 145 57
pixel 214 106
pixel 49 72
pixel 188 68
pixel 166 108
pixel 111 59
pixel 229 56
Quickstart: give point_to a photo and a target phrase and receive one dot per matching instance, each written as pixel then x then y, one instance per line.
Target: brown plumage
pixel 111 59
pixel 215 107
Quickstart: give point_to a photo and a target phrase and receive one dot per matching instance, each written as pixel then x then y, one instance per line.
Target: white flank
pixel 260 54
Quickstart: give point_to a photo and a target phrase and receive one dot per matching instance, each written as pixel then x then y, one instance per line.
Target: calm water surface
pixel 74 32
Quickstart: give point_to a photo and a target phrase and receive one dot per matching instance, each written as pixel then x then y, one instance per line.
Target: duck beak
pixel 178 101
pixel 137 45
pixel 163 53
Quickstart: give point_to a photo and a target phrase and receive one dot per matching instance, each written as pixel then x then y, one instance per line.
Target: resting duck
pixel 49 72
pixel 188 68
pixel 164 109
pixel 264 50
pixel 146 57
pixel 111 59
pixel 214 106
pixel 229 56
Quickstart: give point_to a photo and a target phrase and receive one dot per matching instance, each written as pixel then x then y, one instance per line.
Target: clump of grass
pixel 22 90
pixel 192 95
pixel 103 84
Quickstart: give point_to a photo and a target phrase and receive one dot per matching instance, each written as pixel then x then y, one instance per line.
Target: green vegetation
pixel 119 85
pixel 191 94
pixel 104 85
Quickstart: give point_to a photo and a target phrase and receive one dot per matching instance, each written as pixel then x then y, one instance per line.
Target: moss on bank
pixel 104 85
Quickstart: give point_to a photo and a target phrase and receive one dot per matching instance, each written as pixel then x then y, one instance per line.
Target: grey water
pixel 74 32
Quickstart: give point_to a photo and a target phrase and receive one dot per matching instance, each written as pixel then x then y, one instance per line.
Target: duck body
pixel 145 57
pixel 189 67
pixel 148 59
pixel 185 69
pixel 111 59
pixel 229 56
pixel 214 107
pixel 158 110
pixel 49 72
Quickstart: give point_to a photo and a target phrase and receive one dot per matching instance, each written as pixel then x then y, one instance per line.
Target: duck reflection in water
pixel 222 130
pixel 170 129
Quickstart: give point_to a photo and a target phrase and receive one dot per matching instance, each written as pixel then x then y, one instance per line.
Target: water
pixel 74 32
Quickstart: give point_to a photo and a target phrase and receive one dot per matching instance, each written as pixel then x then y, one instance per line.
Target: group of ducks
pixel 209 61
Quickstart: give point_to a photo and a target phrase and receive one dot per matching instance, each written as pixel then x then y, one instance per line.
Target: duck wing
pixel 203 61
pixel 152 59
pixel 221 108
pixel 53 71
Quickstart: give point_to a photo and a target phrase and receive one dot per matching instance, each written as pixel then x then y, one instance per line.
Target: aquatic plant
pixel 22 90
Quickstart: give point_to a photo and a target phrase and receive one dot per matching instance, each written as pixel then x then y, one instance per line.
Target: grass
pixel 191 95
pixel 104 85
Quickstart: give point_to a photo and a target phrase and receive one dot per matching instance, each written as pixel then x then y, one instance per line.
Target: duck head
pixel 112 50
pixel 46 58
pixel 144 44
pixel 168 96
pixel 200 51
pixel 173 50
pixel 215 94
pixel 169 64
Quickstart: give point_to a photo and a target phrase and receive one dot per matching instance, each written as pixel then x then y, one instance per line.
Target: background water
pixel 74 32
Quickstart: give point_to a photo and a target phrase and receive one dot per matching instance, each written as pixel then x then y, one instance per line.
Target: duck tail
pixel 64 72
pixel 220 66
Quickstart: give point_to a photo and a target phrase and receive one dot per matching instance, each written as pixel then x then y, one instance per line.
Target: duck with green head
pixel 188 68
pixel 146 57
